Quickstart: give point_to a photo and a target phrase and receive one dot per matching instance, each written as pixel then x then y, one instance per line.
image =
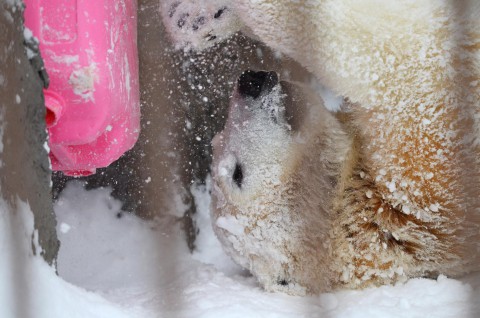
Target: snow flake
pixel 434 207
pixel 429 175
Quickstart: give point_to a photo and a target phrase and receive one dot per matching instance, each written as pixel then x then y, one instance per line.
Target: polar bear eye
pixel 238 175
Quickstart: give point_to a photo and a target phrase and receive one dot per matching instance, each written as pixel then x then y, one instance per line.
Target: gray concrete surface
pixel 24 169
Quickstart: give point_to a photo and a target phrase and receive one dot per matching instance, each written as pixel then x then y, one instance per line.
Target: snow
pixel 30 38
pixel 331 101
pixel 29 286
pixel 83 81
pixel 113 264
pixel 208 249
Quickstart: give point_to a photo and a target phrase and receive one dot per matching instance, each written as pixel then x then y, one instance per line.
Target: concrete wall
pixel 24 167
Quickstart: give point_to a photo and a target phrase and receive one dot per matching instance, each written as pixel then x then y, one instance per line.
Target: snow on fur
pixel 411 68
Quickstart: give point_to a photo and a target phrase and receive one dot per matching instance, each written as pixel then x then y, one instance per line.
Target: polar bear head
pixel 275 169
pixel 198 24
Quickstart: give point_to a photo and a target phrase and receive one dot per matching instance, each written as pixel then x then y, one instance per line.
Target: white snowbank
pixel 28 286
pixel 134 268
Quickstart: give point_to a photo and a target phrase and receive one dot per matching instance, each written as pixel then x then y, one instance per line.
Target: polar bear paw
pixel 198 24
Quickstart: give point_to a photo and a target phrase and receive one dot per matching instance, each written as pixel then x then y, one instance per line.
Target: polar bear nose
pixel 252 84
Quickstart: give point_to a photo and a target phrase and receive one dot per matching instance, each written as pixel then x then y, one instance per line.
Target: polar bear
pixel 412 72
pixel 295 200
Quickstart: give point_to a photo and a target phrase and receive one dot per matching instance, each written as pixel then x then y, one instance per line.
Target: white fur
pixel 412 68
pixel 266 224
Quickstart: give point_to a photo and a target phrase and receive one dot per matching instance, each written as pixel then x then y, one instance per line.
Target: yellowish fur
pixel 314 216
pixel 408 201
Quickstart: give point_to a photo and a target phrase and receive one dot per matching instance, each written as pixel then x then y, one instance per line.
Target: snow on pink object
pixel 90 53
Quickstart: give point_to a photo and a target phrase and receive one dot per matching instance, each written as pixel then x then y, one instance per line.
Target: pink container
pixel 90 54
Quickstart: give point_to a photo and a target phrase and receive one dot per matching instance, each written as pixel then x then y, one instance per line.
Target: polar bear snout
pixel 253 84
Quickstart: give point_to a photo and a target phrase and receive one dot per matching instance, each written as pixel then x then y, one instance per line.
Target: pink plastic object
pixel 90 53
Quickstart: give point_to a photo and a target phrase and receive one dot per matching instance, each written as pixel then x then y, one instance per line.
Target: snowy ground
pixel 115 265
